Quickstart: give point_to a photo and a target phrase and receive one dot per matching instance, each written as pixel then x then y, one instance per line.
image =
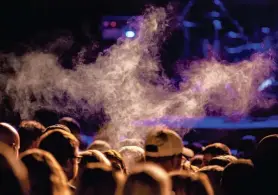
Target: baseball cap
pixel 162 143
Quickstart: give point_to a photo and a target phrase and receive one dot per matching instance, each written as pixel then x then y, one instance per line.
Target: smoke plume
pixel 124 81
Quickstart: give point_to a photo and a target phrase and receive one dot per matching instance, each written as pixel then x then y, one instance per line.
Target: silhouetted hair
pixel 45 173
pixel 116 160
pixel 239 178
pixel 222 161
pixel 99 145
pixel 265 155
pixel 61 144
pixel 9 136
pixel 13 174
pixel 217 149
pixel 212 169
pixel 93 156
pixel 265 161
pixel 132 155
pixel 147 179
pixel 58 127
pixel 29 132
pixel 193 184
pixel 247 142
pixel 99 179
pixel 187 153
pixel 214 173
pixel 188 167
pixel 196 147
pixel 197 160
pixel 71 123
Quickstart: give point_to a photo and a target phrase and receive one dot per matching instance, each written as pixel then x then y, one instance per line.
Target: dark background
pixel 30 24
pixel 22 21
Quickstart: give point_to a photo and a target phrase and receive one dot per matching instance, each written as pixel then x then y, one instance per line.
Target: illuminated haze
pixel 124 81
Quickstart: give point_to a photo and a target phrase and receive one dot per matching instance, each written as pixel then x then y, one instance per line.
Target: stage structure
pixel 114 27
pixel 234 45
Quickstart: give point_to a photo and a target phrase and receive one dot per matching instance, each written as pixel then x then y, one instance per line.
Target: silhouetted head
pixel 29 132
pixel 265 161
pixel 185 183
pixel 196 147
pixel 239 178
pixel 187 153
pixel 266 156
pixel 132 155
pixel 64 147
pixel 164 147
pixel 10 137
pixel 72 124
pixel 247 146
pixel 116 160
pixel 13 174
pixel 222 161
pixel 190 168
pixel 147 179
pixel 99 179
pixel 214 173
pixel 92 156
pixel 99 145
pixel 197 160
pixel 58 127
pixel 75 129
pixel 45 174
pixel 213 150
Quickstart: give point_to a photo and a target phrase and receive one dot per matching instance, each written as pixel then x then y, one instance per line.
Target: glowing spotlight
pixel 217 24
pixel 113 24
pixel 129 34
pixel 233 35
pixel 214 14
pixel 265 30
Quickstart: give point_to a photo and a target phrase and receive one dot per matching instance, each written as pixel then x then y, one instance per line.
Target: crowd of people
pixel 38 160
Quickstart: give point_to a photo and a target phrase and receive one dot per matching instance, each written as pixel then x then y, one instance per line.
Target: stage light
pixel 105 24
pixel 189 24
pixel 233 34
pixel 217 2
pixel 265 30
pixel 129 34
pixel 113 24
pixel 214 14
pixel 217 24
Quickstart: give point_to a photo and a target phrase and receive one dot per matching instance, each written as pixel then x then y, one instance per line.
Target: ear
pixel 15 149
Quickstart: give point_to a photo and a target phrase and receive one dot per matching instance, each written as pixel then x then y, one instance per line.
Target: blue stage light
pixel 214 14
pixel 129 34
pixel 217 24
pixel 233 34
pixel 265 30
